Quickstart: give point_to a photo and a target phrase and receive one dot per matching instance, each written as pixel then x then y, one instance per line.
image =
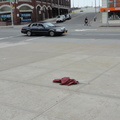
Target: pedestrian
pixel 95 19
pixel 86 21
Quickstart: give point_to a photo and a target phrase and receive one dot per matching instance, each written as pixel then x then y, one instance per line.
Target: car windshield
pixel 29 25
pixel 58 16
pixel 48 25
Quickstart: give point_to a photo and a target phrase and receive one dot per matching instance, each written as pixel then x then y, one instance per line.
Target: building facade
pixel 32 10
pixel 110 10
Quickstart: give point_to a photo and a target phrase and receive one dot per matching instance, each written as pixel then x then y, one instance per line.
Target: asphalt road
pixel 76 30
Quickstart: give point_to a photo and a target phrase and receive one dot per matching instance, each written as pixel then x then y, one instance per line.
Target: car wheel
pixel 29 33
pixel 51 33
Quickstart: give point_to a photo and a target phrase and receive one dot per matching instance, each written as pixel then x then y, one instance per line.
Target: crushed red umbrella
pixel 65 81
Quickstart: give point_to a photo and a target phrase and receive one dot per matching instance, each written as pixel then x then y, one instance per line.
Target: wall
pixel 104 14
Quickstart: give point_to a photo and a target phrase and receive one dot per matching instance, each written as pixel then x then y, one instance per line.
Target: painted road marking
pixel 9 37
pixel 35 38
pixel 4 45
pixel 77 30
pixel 31 39
pixel 97 30
pixel 7 44
pixel 6 37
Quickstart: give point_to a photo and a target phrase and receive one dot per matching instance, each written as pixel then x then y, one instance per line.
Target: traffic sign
pixel 110 1
pixel 12 5
pixel 11 0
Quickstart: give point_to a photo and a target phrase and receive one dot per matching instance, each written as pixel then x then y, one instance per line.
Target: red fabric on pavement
pixel 65 81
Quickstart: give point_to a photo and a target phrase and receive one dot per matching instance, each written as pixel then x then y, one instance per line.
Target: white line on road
pixel 31 39
pixel 77 30
pixel 8 37
pixel 4 45
pixel 7 44
pixel 34 38
pixel 17 36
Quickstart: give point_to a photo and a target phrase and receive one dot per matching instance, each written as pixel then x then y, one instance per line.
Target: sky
pixel 82 3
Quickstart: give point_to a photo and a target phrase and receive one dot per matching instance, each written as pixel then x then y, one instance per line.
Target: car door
pixel 33 28
pixel 41 29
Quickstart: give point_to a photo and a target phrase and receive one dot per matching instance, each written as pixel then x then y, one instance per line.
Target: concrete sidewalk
pixel 28 69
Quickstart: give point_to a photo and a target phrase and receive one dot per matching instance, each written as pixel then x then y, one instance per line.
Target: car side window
pixel 40 26
pixel 34 25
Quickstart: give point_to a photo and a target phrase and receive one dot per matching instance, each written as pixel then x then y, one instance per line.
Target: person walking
pixel 86 21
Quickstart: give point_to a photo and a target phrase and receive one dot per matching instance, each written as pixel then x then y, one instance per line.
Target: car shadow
pixel 45 35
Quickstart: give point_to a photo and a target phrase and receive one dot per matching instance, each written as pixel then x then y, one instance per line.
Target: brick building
pixel 32 10
pixel 114 10
pixel 110 10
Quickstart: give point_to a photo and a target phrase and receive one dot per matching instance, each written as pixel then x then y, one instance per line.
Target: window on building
pixel 25 17
pixel 5 17
pixel 24 0
pixel 3 0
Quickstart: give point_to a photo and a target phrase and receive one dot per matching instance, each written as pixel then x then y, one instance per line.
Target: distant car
pixel 81 10
pixel 67 16
pixel 60 18
pixel 43 28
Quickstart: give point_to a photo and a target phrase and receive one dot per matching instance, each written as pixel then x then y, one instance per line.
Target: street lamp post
pixel 58 8
pixel 107 12
pixel 73 6
pixel 114 3
pixel 99 3
pixel 11 14
pixel 95 6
